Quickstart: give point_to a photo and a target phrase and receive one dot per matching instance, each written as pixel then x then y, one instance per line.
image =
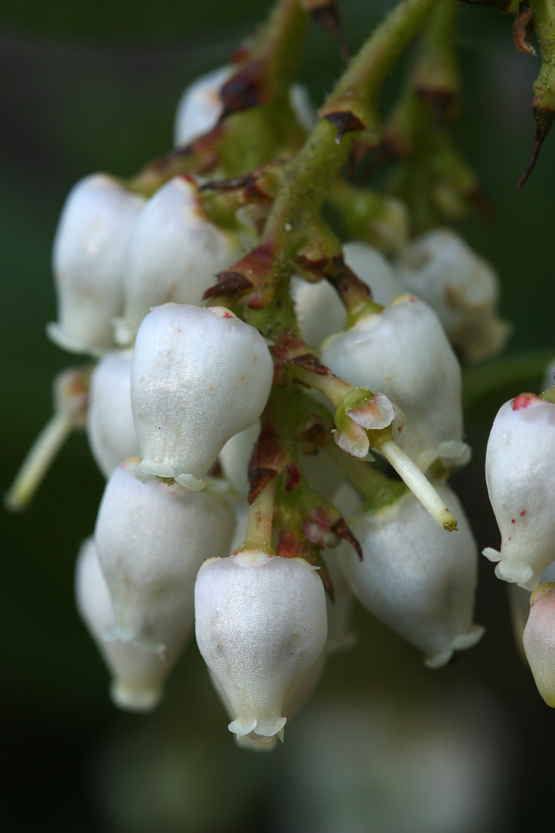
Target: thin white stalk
pixel 37 462
pixel 419 484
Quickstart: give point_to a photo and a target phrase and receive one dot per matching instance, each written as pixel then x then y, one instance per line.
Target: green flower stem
pixel 436 71
pixel 378 489
pixel 280 44
pixel 261 515
pixel 311 172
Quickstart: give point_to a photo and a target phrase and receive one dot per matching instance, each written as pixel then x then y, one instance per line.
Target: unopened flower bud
pixel 460 286
pixel 151 540
pixel 138 676
pixel 201 106
pixel 199 376
pixel 521 483
pixel 319 309
pixel 174 254
pixel 404 353
pixel 416 578
pixel 110 427
pixel 539 640
pixel 89 251
pixel 261 628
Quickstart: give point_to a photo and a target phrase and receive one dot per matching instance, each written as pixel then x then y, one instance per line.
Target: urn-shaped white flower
pixel 521 484
pixel 539 640
pixel 460 286
pixel 174 254
pixel 201 106
pixel 151 539
pixel 319 309
pixel 404 353
pixel 110 428
pixel 415 577
pixel 89 251
pixel 138 676
pixel 261 628
pixel 199 376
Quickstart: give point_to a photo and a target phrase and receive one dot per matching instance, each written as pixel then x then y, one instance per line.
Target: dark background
pixel 87 86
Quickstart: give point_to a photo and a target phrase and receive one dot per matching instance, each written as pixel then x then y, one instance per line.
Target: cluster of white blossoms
pixel 180 395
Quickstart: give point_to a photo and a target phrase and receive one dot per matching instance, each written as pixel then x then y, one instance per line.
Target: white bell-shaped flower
pixel 174 254
pixel 138 676
pixel 539 640
pixel 199 376
pixel 319 309
pixel 110 428
pixel 460 286
pixel 415 577
pixel 151 540
pixel 404 353
pixel 521 485
pixel 200 106
pixel 261 628
pixel 88 257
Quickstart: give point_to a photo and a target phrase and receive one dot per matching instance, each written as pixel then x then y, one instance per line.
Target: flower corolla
pixel 415 577
pixel 261 628
pixel 88 257
pixel 199 376
pixel 521 484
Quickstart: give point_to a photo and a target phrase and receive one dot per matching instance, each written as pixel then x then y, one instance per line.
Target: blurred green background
pixel 90 86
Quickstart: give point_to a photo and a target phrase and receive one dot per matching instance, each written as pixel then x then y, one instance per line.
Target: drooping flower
pixel 404 353
pixel 151 539
pixel 110 427
pixel 460 286
pixel 261 628
pixel 174 254
pixel 138 676
pixel 320 311
pixel 199 376
pixel 521 485
pixel 89 251
pixel 539 640
pixel 415 577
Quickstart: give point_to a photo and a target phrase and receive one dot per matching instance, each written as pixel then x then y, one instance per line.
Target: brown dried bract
pixel 523 29
pixel 245 89
pixel 345 122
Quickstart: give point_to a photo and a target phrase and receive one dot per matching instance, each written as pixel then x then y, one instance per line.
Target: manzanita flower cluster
pixel 254 382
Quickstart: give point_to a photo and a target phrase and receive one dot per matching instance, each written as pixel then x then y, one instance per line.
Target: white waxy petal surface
pixel 138 676
pixel 88 257
pixel 199 376
pixel 174 254
pixel 521 483
pixel 261 628
pixel 460 286
pixel 110 427
pixel 404 353
pixel 417 578
pixel 151 540
pixel 539 641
